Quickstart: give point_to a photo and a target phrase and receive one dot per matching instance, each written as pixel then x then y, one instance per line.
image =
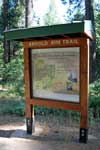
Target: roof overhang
pixel 79 29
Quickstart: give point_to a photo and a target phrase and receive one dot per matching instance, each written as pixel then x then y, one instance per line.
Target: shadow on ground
pixel 45 135
pixel 6 133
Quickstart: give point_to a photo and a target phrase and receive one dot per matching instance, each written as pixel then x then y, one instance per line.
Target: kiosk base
pixel 30 125
pixel 83 135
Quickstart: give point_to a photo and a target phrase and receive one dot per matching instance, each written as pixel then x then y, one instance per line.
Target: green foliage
pixel 95 88
pixel 11 74
pixel 95 102
pixel 52 16
pixel 57 112
pixel 15 14
pixel 12 107
pixel 1 59
pixel 97 24
pixel 94 110
pixel 78 16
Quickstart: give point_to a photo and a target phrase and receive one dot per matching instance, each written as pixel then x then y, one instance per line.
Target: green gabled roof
pixel 71 29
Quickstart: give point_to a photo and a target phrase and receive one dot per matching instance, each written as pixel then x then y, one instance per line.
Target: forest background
pixel 32 13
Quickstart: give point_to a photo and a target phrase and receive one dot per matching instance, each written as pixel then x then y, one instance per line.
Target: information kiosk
pixel 56 69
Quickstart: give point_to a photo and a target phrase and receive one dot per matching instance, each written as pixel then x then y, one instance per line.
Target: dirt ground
pixel 51 133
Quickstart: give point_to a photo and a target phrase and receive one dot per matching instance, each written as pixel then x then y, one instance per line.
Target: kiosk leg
pixel 83 135
pixel 30 121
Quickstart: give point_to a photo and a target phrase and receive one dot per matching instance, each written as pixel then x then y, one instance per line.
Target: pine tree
pixel 51 17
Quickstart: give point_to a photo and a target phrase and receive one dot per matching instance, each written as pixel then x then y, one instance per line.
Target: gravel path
pixel 49 135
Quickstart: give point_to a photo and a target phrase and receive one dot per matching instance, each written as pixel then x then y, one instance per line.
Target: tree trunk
pixel 89 15
pixel 29 13
pixel 6 27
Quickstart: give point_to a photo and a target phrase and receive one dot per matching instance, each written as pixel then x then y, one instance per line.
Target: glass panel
pixel 55 73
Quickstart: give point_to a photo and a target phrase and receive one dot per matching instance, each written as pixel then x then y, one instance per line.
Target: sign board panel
pixel 55 73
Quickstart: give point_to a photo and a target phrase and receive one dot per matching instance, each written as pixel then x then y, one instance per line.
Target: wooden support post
pixel 29 107
pixel 84 92
pixel 30 120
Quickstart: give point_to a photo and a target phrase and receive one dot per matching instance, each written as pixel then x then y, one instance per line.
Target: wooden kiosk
pixel 56 60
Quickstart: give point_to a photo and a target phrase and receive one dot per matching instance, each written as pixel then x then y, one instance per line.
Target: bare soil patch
pixel 50 128
pixel 61 132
